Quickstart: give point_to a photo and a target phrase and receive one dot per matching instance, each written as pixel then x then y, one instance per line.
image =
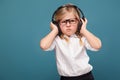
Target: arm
pixel 46 42
pixel 94 41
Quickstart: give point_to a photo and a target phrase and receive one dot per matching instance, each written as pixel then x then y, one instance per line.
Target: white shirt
pixel 71 57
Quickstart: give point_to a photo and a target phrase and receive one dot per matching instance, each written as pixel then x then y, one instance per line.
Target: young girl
pixel 70 39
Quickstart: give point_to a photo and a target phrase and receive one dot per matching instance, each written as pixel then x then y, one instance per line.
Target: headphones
pixel 79 12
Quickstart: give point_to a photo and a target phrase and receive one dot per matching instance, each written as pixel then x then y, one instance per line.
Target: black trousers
pixel 87 76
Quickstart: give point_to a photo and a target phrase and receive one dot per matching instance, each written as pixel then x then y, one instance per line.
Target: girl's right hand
pixel 53 27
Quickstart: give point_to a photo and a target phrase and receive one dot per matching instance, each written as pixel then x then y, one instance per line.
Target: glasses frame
pixel 71 21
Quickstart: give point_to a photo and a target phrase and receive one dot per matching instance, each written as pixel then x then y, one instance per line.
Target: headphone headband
pixel 79 11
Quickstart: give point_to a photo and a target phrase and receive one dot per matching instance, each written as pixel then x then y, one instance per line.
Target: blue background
pixel 24 22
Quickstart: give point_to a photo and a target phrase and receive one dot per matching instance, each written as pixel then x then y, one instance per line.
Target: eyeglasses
pixel 71 21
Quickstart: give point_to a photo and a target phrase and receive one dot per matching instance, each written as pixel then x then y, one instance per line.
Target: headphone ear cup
pixel 57 24
pixel 80 25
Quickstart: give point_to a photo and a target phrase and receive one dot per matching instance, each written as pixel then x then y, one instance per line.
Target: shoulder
pixel 83 38
pixel 57 38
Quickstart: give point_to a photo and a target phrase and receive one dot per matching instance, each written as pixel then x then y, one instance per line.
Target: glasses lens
pixel 71 21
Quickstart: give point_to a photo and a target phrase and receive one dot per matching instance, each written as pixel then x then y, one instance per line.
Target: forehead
pixel 69 15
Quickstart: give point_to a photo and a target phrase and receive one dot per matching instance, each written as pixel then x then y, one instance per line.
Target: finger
pixel 84 20
pixel 51 23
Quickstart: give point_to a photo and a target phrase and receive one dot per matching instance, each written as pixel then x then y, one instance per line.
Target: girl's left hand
pixel 83 27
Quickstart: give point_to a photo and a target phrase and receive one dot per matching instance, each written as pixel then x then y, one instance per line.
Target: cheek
pixel 62 29
pixel 74 28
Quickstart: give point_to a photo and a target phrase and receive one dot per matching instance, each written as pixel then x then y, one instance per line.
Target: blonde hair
pixel 63 9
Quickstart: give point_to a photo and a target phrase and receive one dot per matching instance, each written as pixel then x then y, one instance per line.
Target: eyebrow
pixel 68 19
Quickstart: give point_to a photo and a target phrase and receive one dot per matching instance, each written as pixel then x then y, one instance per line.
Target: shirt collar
pixel 72 36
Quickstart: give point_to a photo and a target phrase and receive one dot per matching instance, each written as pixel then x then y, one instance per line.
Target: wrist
pixel 55 31
pixel 83 32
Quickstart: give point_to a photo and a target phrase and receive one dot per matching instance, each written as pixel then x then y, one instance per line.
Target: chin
pixel 69 34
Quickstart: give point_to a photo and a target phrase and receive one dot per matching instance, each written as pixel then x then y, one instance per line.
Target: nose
pixel 68 23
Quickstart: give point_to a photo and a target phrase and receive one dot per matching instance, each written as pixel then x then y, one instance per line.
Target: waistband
pixel 84 75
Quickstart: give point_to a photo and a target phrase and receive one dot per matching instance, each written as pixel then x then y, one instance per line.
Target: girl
pixel 70 39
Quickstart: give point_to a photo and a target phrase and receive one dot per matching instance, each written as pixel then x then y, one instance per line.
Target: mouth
pixel 68 30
